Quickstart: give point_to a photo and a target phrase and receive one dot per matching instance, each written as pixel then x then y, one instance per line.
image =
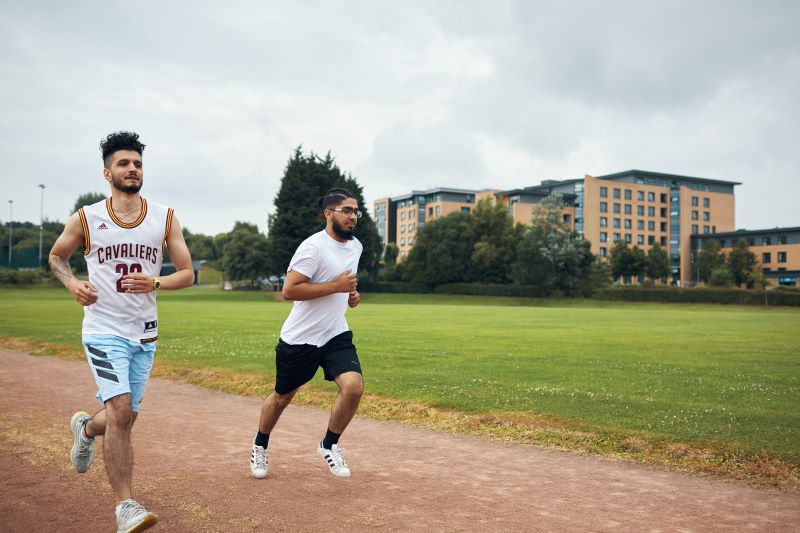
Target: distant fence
pixel 23 258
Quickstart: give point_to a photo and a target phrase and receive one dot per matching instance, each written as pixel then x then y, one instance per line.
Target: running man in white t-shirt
pixel 321 280
pixel 123 239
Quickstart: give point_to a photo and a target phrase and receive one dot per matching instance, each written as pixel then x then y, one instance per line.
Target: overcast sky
pixel 405 95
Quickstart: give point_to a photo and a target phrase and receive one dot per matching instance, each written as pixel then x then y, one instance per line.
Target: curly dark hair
pixel 120 140
pixel 334 197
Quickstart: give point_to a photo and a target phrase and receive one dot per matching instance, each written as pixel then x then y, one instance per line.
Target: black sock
pixel 262 439
pixel 330 439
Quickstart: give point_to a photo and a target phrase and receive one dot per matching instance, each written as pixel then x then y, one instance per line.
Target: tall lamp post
pixel 41 223
pixel 10 228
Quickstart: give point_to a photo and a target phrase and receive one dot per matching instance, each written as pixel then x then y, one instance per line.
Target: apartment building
pixel 777 251
pixel 637 206
pixel 398 219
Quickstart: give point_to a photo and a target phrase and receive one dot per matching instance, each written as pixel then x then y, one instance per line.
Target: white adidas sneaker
pixel 259 462
pixel 82 452
pixel 132 518
pixel 335 459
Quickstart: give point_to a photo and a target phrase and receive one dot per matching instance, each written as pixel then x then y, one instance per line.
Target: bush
pixel 720 278
pixel 24 278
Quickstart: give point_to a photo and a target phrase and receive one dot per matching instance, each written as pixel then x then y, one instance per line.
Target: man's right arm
pixel 69 240
pixel 297 287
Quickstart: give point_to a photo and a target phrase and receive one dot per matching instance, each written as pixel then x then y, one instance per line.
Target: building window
pixel 651 211
pixel 603 222
pixel 628 238
pixel 651 226
pixel 617 208
pixel 403 215
pixel 706 230
pixel 627 223
pixel 628 209
pixel 616 193
pixel 430 211
pixel 722 243
pixel 617 223
pixel 640 210
pixel 465 210
pixel 410 228
pixel 663 241
pixel 706 203
pixel 411 215
pixel 750 241
pixel 603 251
pixel 766 257
pixel 695 229
pixel 695 201
pixel 640 239
pixel 651 239
pixel 603 236
pixel 663 226
pixel 663 197
pixel 782 239
pixel 640 196
pixel 402 241
pixel 651 197
pixel 706 216
pixel 403 228
pixel 627 194
pixel 603 207
pixel 616 237
pixel 766 241
pixel 694 215
pixel 663 212
pixel 781 257
pixel 640 224
pixel 603 192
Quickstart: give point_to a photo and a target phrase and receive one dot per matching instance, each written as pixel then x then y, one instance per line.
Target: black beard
pixel 347 234
pixel 130 189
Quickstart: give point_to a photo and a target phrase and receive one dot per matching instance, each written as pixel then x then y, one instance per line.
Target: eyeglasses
pixel 347 211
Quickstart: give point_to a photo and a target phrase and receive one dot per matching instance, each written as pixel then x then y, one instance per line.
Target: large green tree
pixel 741 262
pixel 708 259
pixel 626 262
pixel 307 178
pixel 494 243
pixel 244 253
pixel 442 251
pixel 550 254
pixel 658 265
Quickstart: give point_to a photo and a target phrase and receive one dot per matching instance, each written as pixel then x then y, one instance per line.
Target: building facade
pixel 777 251
pixel 639 207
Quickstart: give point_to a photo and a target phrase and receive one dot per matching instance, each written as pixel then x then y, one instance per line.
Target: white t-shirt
pixel 321 258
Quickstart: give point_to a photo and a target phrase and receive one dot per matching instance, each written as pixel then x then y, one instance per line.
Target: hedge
pixel 25 278
pixel 700 295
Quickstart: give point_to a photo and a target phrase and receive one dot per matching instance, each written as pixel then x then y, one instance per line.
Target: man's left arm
pixel 182 259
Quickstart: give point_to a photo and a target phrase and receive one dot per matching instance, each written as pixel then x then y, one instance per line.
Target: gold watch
pixel 156 284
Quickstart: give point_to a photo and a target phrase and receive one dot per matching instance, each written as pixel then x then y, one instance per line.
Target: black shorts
pixel 296 364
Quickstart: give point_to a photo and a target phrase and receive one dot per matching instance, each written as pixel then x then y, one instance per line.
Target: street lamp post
pixel 10 228
pixel 41 223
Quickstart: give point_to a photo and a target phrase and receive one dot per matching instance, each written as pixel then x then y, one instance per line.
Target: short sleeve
pixel 305 260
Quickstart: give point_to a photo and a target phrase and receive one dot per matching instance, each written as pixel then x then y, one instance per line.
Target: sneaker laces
pixel 338 455
pixel 84 443
pixel 260 457
pixel 130 510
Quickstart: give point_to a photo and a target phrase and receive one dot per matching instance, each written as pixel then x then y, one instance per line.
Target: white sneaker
pixel 335 459
pixel 259 461
pixel 82 452
pixel 132 518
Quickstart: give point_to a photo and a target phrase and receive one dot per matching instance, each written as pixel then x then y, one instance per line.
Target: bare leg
pixel 97 425
pixel 118 418
pixel 351 387
pixel 272 409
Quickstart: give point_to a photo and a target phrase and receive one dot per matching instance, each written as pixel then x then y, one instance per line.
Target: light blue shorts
pixel 120 366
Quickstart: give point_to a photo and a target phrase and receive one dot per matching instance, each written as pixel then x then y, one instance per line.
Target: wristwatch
pixel 156 284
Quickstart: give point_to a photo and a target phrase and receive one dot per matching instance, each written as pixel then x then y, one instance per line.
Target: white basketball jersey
pixel 113 249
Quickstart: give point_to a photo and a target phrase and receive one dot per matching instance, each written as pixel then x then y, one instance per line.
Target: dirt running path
pixel 192 450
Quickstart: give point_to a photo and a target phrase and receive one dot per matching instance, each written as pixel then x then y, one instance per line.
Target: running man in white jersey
pixel 124 238
pixel 321 280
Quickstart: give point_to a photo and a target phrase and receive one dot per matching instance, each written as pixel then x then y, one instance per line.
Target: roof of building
pixel 664 176
pixel 746 232
pixel 435 190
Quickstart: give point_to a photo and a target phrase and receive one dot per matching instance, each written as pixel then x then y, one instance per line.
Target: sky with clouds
pixel 405 95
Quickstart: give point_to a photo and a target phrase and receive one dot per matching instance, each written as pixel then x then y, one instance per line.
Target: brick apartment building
pixel 640 207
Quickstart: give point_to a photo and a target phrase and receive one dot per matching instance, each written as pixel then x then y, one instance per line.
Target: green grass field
pixel 725 376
